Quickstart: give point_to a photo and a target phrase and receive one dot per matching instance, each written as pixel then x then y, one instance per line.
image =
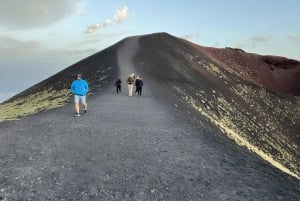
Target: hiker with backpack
pixel 130 82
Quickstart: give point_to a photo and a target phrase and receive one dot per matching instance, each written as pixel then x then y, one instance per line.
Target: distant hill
pixel 252 98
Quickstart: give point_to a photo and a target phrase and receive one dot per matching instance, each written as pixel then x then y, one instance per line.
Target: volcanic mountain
pixel 252 99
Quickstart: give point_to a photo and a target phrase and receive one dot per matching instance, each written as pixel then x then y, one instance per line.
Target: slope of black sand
pixel 131 148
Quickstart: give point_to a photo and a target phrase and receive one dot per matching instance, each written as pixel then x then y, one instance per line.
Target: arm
pixel 86 86
pixel 72 88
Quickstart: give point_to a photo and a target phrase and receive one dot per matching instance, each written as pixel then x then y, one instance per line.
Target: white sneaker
pixel 77 115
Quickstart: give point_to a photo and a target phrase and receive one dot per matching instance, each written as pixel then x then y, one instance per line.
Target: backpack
pixel 130 80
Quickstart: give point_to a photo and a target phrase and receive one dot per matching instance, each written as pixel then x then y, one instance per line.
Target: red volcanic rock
pixel 280 62
pixel 278 74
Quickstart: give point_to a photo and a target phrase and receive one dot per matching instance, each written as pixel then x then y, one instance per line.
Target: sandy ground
pixel 131 148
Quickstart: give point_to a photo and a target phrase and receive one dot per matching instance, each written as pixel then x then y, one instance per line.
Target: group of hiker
pixel 132 79
pixel 80 87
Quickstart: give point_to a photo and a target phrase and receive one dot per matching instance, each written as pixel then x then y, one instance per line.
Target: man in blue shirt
pixel 79 89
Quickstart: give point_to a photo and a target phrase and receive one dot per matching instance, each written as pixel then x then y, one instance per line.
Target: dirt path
pixel 130 148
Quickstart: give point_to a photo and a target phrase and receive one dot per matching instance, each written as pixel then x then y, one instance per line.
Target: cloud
pixel 80 52
pixel 95 27
pixel 295 39
pixel 257 40
pixel 16 14
pixel 252 42
pixel 120 16
pixel 11 45
pixel 192 36
pixel 238 45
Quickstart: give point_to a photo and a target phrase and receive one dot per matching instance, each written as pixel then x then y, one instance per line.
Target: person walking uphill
pixel 118 84
pixel 139 85
pixel 130 81
pixel 79 89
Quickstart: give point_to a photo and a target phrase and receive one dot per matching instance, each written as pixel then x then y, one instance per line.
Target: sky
pixel 39 38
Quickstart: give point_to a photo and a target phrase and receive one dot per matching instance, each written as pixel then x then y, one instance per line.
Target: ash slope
pixel 99 69
pixel 252 98
pixel 178 73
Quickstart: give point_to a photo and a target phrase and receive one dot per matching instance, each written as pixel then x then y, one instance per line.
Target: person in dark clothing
pixel 139 85
pixel 118 84
pixel 136 83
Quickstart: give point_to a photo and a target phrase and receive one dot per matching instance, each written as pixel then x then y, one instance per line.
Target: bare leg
pixel 77 107
pixel 84 106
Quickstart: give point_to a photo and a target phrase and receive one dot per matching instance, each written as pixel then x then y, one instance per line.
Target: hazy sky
pixel 39 38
